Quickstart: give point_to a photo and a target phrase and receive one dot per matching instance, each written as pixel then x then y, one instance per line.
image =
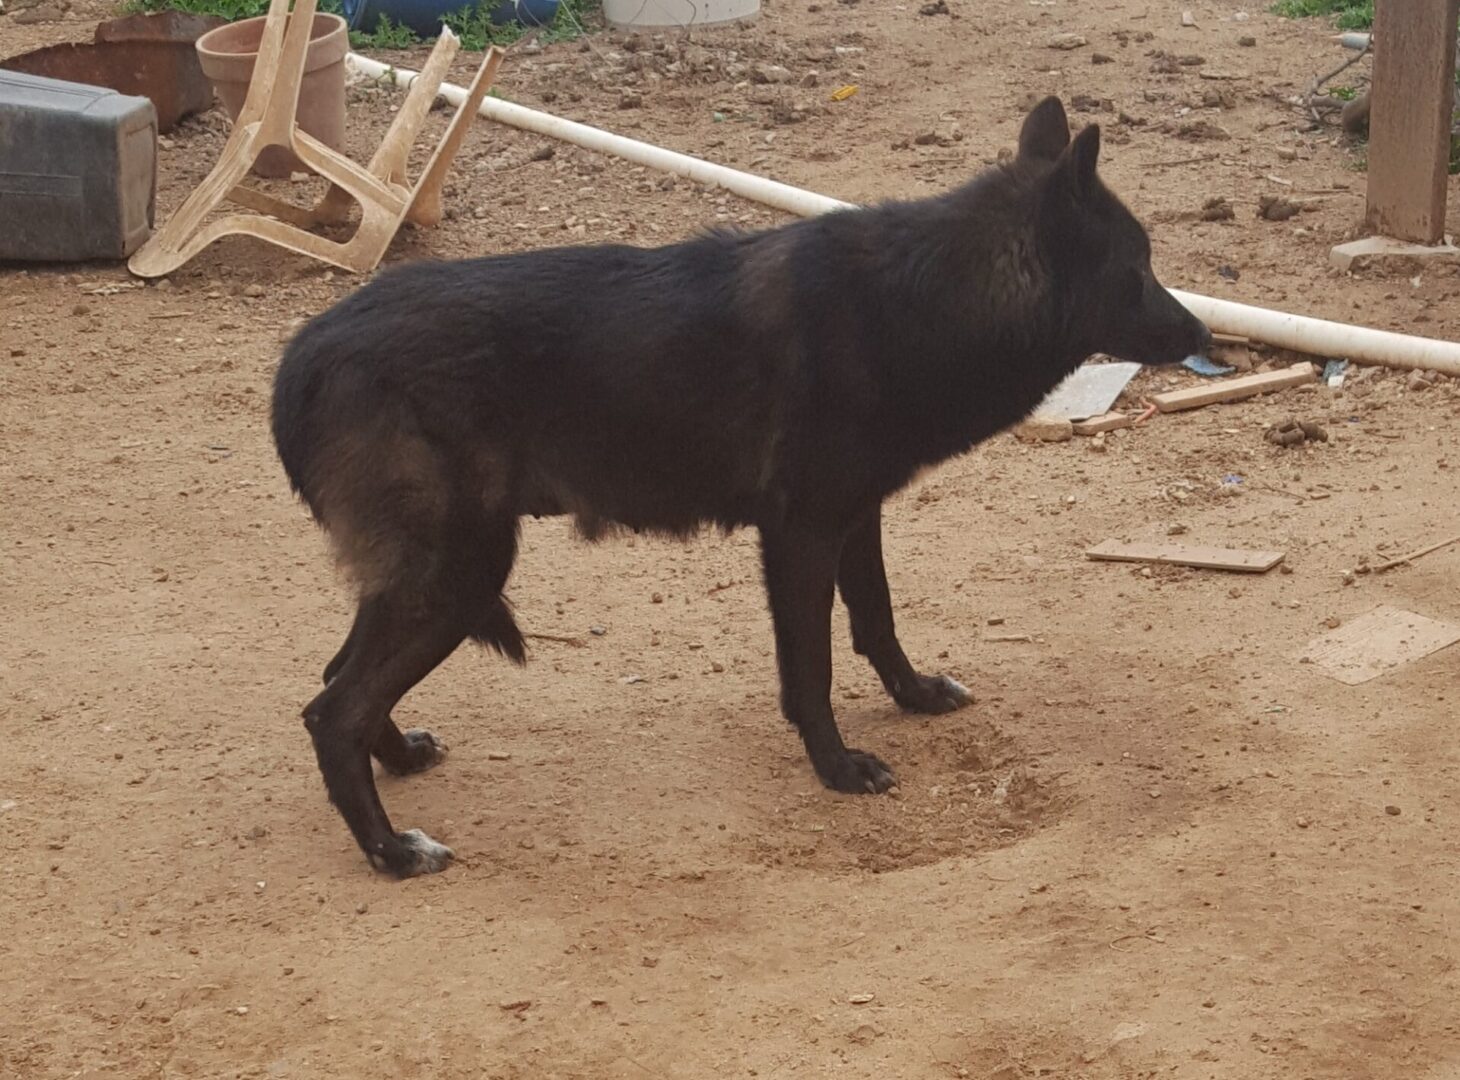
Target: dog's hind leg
pixel 399 640
pixel 800 572
pixel 399 752
pixel 862 578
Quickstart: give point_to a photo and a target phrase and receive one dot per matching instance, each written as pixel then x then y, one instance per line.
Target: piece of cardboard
pixel 1376 644
pixel 1205 558
pixel 1089 391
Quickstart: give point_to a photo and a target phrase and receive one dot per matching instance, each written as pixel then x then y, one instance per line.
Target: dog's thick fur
pixel 790 379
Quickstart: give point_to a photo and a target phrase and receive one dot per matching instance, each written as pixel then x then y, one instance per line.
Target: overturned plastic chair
pixel 383 190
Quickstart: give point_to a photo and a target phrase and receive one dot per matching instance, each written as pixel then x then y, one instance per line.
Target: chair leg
pixel 389 161
pixel 161 254
pixel 425 203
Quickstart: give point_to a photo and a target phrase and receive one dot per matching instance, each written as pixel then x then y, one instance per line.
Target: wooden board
pixel 1111 421
pixel 1206 558
pixel 1244 386
pixel 1377 643
pixel 1409 119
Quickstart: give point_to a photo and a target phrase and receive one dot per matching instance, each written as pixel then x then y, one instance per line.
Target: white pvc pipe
pixel 793 200
pixel 1319 337
pixel 1300 333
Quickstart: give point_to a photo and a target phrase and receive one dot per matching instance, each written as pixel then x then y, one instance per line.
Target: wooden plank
pixel 1409 120
pixel 1108 422
pixel 1377 643
pixel 1205 558
pixel 1234 389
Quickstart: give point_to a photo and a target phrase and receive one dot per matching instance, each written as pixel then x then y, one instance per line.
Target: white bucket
pixel 680 14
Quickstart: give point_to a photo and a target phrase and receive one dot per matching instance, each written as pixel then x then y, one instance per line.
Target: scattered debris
pixel 1045 429
pixel 1421 380
pixel 1294 432
pixel 1096 425
pixel 1067 41
pixel 1090 391
pixel 1205 558
pixel 1403 559
pixel 1276 208
pixel 1202 366
pixel 1377 643
pixel 842 93
pixel 1217 208
pixel 1244 386
pixel 1333 373
pixel 1203 131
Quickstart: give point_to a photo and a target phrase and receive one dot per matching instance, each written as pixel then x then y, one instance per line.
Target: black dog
pixel 790 379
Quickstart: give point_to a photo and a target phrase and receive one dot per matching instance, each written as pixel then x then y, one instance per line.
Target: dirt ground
pixel 1158 846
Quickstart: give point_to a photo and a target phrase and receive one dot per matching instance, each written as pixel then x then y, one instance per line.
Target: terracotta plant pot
pixel 228 55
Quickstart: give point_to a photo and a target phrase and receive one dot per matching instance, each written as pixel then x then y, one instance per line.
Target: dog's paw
pixel 423 751
pixel 933 694
pixel 859 773
pixel 414 853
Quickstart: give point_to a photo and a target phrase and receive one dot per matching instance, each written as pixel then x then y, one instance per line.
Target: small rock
pixel 1419 380
pixel 631 100
pixel 1217 208
pixel 361 908
pixel 1333 622
pixel 1247 41
pixel 717 667
pixel 1176 530
pixel 938 7
pixel 253 291
pixel 1203 131
pixel 1101 58
pixel 498 755
pixel 1066 41
pixel 861 999
pixel 996 620
pixel 656 598
pixel 1276 208
pixel 1302 823
pixel 770 73
pixel 1392 810
pixel 542 152
pixel 1188 19
pixel 1045 429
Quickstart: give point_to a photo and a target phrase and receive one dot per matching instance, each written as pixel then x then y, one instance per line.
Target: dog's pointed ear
pixel 1075 175
pixel 1084 156
pixel 1046 132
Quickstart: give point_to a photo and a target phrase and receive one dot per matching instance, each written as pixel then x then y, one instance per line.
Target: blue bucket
pixel 424 16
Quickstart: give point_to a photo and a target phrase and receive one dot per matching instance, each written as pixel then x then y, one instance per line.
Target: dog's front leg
pixel 800 573
pixel 862 578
